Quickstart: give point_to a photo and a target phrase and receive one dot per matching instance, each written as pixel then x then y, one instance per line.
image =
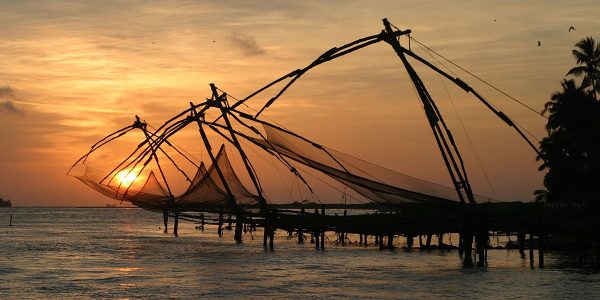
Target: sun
pixel 127 177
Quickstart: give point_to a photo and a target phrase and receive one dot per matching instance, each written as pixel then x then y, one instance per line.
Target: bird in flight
pixel 539 43
pixel 571 28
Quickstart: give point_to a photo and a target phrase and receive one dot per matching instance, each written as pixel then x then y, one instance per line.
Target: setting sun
pixel 127 177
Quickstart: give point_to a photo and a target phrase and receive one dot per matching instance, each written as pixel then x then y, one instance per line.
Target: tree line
pixel 571 151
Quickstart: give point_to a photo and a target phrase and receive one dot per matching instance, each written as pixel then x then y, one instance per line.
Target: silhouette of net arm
pixel 107 139
pixel 328 55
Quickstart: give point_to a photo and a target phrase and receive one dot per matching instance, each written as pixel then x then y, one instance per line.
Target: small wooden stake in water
pixel 10 222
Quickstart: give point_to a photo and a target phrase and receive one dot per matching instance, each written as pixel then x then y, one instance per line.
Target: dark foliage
pixel 571 151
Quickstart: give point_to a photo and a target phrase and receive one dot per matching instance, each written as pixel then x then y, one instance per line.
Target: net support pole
pixel 220 101
pixel 457 175
pixel 231 198
pixel 444 139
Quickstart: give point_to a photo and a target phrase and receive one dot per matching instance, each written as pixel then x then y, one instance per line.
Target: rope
pixel 480 79
pixel 254 110
pixel 485 174
pixel 429 51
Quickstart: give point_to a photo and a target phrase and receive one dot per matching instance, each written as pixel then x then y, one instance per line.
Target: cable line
pixel 480 79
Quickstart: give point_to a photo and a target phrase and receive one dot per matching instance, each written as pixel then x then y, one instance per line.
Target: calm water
pixel 122 253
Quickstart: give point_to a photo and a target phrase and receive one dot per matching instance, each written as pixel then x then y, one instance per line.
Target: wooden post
pixel 176 225
pixel 323 227
pixel 266 227
pixel 381 242
pixel 521 240
pixel 220 229
pixel 441 241
pixel 420 241
pixel 377 239
pixel 409 241
pixel 316 232
pixel 265 234
pixel 10 222
pixel 360 239
pixel 461 246
pixel 390 241
pixel 202 220
pixel 165 219
pixel 468 247
pixel 300 227
pixel 481 239
pixel 272 237
pixel 342 233
pixel 239 221
pixel 531 250
pixel 541 250
pixel 428 243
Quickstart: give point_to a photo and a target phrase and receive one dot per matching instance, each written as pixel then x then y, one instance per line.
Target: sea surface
pixel 77 253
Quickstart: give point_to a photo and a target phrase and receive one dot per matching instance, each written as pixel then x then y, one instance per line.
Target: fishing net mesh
pixel 374 182
pixel 143 189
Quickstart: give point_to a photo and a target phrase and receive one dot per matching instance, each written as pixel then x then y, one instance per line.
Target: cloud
pixel 9 108
pixel 247 44
pixel 6 92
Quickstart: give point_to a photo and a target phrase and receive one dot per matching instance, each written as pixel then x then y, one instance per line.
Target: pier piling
pixel 220 227
pixel 541 250
pixel 531 250
pixel 165 220
pixel 176 223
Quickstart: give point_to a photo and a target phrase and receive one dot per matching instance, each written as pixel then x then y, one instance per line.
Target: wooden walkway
pixel 535 226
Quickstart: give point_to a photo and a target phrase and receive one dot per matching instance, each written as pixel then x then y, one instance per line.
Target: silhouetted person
pixel 539 43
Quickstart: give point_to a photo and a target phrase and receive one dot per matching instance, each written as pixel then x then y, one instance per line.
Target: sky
pixel 74 71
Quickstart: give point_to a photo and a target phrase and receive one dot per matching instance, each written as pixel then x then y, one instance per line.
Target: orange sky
pixel 74 71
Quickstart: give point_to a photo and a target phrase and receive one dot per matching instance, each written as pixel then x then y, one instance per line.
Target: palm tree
pixel 587 53
pixel 571 151
pixel 565 108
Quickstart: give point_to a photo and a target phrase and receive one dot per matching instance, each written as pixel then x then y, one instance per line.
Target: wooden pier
pixel 534 226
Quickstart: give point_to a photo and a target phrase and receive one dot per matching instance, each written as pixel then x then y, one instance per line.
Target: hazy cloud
pixel 6 92
pixel 10 108
pixel 7 106
pixel 247 44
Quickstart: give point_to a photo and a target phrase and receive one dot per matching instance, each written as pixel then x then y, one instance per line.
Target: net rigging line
pixel 510 122
pixel 181 150
pixel 480 79
pixel 429 51
pixel 251 108
pixel 336 157
pixel 256 131
pixel 485 174
pixel 279 157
